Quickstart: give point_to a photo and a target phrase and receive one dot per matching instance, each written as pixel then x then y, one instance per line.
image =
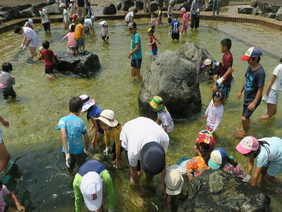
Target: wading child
pixel 4 154
pixel 79 35
pixel 212 68
pixel 272 91
pixel 170 12
pixel 252 87
pixel 214 112
pixel 112 130
pixel 175 29
pixel 5 192
pixel 45 19
pixel 72 46
pixel 153 42
pixel 48 56
pixel 66 17
pixel 160 16
pixel 7 81
pixel 130 16
pixel 185 19
pixel 72 7
pixel 105 31
pixel 93 112
pixel 72 128
pixel 225 72
pixel 153 21
pixel 164 117
pixel 89 25
pixel 135 51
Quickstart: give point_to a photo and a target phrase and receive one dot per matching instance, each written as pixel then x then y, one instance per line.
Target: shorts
pixel 138 163
pixel 225 88
pixel 248 113
pixel 184 27
pixel 49 70
pixel 273 97
pixel 154 52
pixel 136 63
pixel 46 26
pixel 8 92
pixel 34 42
pixel 175 36
pixel 78 159
pixel 74 48
pixel 274 168
pixel 169 20
pixel 104 37
pixel 80 42
pixel 1 136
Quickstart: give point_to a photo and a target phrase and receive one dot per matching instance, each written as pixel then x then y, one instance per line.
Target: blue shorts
pixel 136 63
pixel 80 42
pixel 154 52
pixel 248 113
pixel 225 88
pixel 274 168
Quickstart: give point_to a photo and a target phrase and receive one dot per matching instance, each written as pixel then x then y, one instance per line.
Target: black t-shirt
pixel 254 80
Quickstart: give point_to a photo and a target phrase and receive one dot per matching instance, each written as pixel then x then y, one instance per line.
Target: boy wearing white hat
pixel 105 31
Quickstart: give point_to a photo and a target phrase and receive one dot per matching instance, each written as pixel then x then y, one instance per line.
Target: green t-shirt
pixel 135 38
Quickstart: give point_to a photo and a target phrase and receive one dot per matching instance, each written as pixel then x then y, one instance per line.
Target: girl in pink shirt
pixel 71 41
pixel 185 19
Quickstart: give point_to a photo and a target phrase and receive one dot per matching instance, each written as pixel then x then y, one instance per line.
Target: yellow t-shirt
pixel 78 32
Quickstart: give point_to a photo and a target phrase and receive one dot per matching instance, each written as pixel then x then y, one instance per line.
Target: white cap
pixel 174 182
pixel 103 23
pixel 91 187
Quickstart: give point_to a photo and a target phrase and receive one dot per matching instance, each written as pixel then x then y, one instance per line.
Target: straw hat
pixel 107 116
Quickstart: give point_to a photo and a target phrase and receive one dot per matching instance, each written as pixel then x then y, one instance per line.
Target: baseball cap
pixel 91 188
pixel 174 182
pixel 207 62
pixel 217 158
pixel 247 144
pixel 131 25
pixel 152 158
pixel 251 52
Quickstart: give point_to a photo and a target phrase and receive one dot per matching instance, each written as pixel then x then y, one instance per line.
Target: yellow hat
pixel 157 103
pixel 149 30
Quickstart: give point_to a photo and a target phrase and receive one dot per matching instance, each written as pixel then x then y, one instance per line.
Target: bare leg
pixel 271 111
pixel 33 51
pixel 4 157
pixel 133 74
pixel 273 179
pixel 245 124
pixel 138 75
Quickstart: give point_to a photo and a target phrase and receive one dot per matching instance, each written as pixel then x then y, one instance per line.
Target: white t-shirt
pixel 214 114
pixel 30 34
pixel 44 16
pixel 104 31
pixel 129 16
pixel 166 119
pixel 138 132
pixel 88 22
pixel 277 84
pixel 66 16
pixel 4 192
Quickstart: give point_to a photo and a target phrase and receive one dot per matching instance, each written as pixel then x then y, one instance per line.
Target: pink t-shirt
pixel 3 192
pixel 71 40
pixel 185 18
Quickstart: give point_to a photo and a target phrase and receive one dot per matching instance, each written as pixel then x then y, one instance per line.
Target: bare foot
pixel 266 116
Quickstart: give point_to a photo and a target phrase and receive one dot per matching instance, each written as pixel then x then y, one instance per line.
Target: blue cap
pixel 217 158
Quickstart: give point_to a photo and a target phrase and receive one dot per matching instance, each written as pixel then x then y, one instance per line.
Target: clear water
pixel 42 182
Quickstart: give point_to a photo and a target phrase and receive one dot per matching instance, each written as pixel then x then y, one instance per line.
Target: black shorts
pixel 78 159
pixel 175 36
pixel 46 26
pixel 169 20
pixel 136 63
pixel 104 37
pixel 138 163
pixel 9 92
pixel 49 70
pixel 248 113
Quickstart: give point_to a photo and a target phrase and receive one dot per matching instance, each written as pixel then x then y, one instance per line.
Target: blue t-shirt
pixel 91 165
pixel 270 153
pixel 75 128
pixel 135 38
pixel 254 80
pixel 175 26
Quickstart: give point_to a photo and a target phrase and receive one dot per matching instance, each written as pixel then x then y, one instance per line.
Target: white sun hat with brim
pixel 91 187
pixel 103 23
pixel 87 102
pixel 174 182
pixel 108 117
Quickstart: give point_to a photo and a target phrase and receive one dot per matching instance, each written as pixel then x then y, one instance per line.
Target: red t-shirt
pixel 227 62
pixel 47 56
pixel 154 46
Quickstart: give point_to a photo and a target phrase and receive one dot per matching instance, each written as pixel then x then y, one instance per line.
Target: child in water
pixel 48 56
pixel 164 116
pixel 112 130
pixel 105 31
pixel 153 42
pixel 72 46
pixel 214 112
pixel 7 81
pixel 185 19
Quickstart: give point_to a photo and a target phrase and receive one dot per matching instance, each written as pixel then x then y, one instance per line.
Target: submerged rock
pixel 220 191
pixel 82 65
pixel 175 80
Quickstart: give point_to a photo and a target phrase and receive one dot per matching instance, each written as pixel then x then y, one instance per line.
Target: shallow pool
pixel 41 180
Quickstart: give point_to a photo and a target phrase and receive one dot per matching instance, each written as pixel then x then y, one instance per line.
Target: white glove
pixel 86 152
pixel 106 151
pixel 220 80
pixel 68 159
pixel 247 178
pixel 264 98
pixel 198 10
pixel 23 47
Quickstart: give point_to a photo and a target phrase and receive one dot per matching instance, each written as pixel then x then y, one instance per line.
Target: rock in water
pixel 220 191
pixel 82 65
pixel 175 80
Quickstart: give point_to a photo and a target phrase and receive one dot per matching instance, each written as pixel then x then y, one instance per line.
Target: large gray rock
pixel 196 53
pixel 154 6
pixel 26 13
pixel 175 80
pixel 81 65
pixel 53 9
pixel 219 191
pixel 279 14
pixel 109 9
pixel 245 9
pixel 139 4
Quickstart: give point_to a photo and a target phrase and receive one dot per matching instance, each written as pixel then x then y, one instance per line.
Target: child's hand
pixel 129 55
pixel 149 44
pixel 205 116
pixel 239 95
pixel 252 106
pixel 6 123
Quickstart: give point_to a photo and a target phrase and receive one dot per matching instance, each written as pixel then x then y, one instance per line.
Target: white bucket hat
pixel 91 187
pixel 174 182
pixel 107 116
pixel 87 102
